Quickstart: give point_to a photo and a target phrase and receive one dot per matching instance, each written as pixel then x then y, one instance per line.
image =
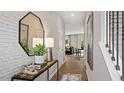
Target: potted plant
pixel 39 51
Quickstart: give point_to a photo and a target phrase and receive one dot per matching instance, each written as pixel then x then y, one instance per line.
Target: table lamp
pixel 49 43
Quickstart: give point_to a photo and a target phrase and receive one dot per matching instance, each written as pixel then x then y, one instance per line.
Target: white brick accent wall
pixel 12 56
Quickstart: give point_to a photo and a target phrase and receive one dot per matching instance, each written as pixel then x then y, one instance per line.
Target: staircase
pixel 114 40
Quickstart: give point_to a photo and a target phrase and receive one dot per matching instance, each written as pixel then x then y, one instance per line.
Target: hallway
pixel 26 38
pixel 73 65
pixel 62 46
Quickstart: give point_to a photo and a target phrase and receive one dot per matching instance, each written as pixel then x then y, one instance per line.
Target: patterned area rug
pixel 71 77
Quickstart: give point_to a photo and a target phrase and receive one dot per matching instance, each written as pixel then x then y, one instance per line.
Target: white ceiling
pixel 78 17
pixel 73 24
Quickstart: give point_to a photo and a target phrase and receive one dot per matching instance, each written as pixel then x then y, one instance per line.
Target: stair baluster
pixel 106 29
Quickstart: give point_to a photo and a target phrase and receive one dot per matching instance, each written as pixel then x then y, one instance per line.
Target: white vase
pixel 39 59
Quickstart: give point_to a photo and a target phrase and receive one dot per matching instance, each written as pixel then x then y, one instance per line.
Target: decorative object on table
pixel 32 68
pixel 49 43
pixel 29 69
pixel 39 66
pixel 39 51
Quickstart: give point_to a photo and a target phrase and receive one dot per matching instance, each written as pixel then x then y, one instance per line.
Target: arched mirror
pixel 30 28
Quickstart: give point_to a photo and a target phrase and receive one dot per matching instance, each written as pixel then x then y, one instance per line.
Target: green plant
pixel 82 43
pixel 66 41
pixel 39 50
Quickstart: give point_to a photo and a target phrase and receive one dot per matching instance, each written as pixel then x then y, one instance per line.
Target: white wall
pixel 80 37
pixel 76 40
pixel 12 56
pixel 100 71
pixel 74 29
pixel 57 30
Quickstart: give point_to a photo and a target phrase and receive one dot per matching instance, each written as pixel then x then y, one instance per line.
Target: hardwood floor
pixel 73 65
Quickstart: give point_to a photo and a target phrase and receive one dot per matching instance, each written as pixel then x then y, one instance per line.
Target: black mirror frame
pixel 20 30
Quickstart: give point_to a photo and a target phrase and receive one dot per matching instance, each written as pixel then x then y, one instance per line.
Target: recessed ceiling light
pixel 72 14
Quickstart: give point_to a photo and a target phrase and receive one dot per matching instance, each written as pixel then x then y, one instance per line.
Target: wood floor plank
pixel 73 65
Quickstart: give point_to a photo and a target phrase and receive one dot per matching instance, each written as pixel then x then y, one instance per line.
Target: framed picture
pixel 90 41
pixel 24 35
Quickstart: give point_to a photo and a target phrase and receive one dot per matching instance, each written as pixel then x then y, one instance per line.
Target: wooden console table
pixel 28 77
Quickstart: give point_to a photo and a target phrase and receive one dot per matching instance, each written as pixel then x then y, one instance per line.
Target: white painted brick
pixel 12 56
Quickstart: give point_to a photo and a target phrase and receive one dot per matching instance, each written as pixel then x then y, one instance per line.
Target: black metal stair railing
pixel 122 77
pixel 117 40
pixel 107 29
pixel 109 33
pixel 113 58
pixel 114 28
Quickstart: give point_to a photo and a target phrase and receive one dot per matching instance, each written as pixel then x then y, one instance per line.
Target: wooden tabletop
pixel 29 77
